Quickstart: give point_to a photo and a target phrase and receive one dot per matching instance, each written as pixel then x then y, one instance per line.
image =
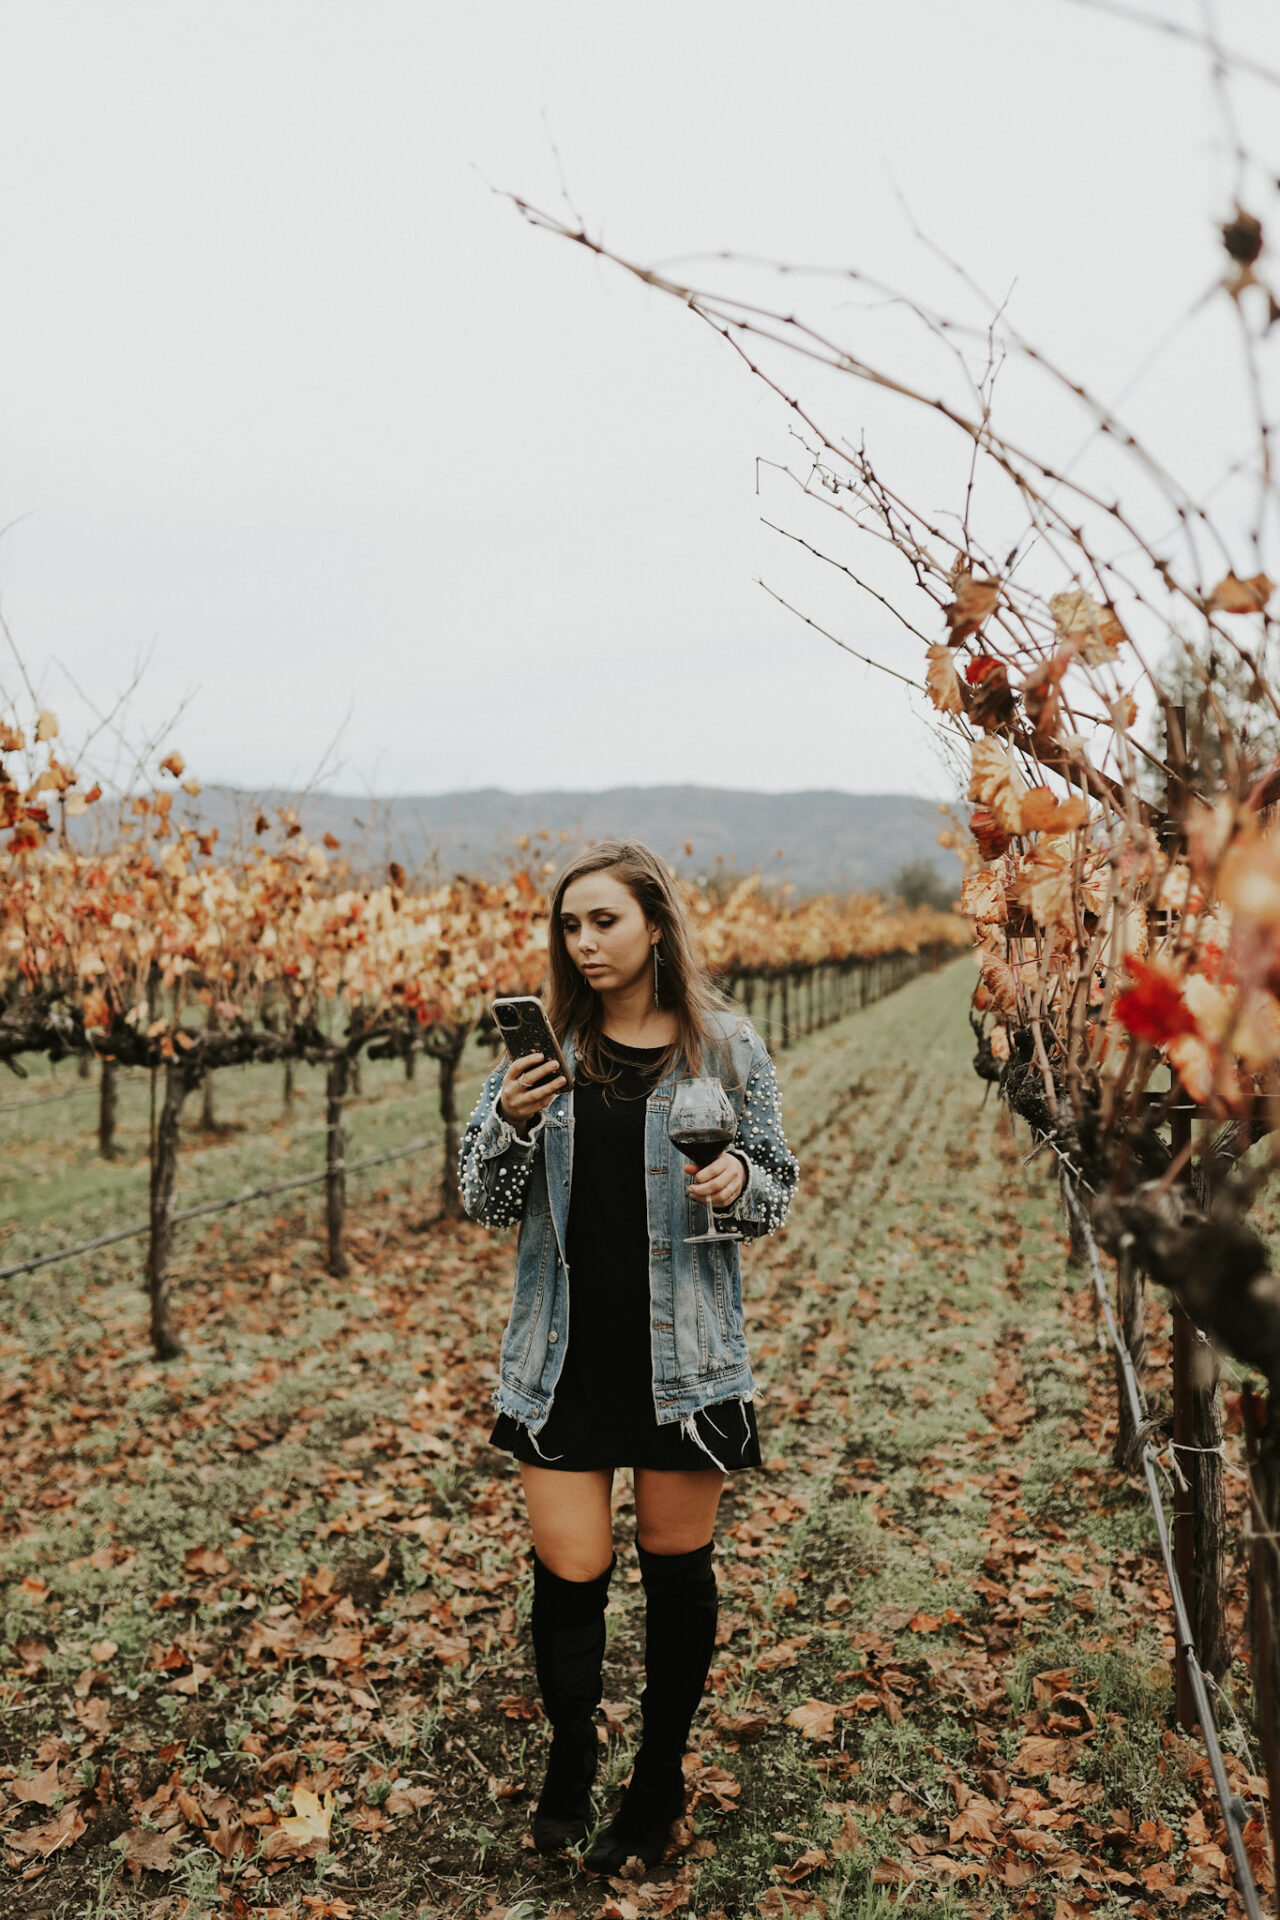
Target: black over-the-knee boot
pixel 680 1637
pixel 568 1649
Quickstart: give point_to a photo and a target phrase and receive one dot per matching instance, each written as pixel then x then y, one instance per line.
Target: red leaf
pixel 1153 1007
pixel 991 837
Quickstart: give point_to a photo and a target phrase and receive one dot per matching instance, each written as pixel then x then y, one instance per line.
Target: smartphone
pixel 524 1026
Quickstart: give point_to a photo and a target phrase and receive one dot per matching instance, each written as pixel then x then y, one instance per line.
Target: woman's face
pixel 605 931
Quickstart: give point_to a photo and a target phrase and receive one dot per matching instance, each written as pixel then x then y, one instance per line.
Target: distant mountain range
pixel 821 841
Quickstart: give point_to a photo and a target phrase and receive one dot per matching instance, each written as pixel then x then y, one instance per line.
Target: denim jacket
pixel 699 1348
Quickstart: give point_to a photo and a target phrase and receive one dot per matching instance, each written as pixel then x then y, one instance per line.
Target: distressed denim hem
pixel 737 1385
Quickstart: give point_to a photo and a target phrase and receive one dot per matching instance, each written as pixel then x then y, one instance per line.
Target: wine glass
pixel 702 1123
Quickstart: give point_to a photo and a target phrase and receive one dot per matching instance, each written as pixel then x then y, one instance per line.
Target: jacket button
pixel 553 1336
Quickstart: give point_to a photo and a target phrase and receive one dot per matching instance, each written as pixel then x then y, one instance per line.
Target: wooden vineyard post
pixel 1264 1586
pixel 1184 1508
pixel 448 1044
pixel 1131 1313
pixel 164 1174
pixel 1213 1647
pixel 1078 1252
pixel 335 1177
pixel 107 1093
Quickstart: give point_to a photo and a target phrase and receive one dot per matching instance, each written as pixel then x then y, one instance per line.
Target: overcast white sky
pixel 298 406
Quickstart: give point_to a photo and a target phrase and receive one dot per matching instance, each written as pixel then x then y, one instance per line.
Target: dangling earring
pixel 656 1001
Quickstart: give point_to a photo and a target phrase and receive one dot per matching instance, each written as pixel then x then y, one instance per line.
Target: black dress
pixel 602 1413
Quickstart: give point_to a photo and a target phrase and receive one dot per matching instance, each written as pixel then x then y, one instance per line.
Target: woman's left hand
pixel 719 1184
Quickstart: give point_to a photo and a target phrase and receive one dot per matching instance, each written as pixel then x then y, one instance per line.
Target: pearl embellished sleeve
pixel 772 1168
pixel 494 1161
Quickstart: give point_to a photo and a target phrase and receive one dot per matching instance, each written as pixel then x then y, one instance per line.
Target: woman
pixel 625 1344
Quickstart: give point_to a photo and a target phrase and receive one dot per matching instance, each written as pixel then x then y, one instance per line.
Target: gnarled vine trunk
pixel 164 1175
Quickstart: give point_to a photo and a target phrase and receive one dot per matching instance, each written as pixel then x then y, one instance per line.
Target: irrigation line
pixel 216 1206
pixel 1233 1810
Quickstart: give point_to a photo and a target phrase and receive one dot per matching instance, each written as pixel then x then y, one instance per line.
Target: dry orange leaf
pixel 1249 881
pixel 994 780
pixel 206 1560
pixel 1192 1060
pixel 1043 812
pixel 974 601
pixel 47 1839
pixel 1092 629
pixel 308 1825
pixel 1232 595
pixel 982 898
pixel 152 1850
pixel 816 1719
pixel 192 1682
pixel 943 682
pixel 1001 982
pixel 809 1862
pixel 1041 1754
pixel 41 1790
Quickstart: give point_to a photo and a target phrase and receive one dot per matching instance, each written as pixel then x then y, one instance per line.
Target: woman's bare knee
pixel 676 1512
pixel 571 1520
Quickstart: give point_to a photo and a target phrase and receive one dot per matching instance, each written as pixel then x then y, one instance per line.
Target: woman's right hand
pixel 526 1089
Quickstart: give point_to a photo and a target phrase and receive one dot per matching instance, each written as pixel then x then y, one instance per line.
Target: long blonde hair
pixel 685 986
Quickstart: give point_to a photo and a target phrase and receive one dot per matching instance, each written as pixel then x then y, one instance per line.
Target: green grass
pixel 56 1190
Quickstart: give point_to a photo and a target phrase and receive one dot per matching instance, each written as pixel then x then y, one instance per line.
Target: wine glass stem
pixel 711 1221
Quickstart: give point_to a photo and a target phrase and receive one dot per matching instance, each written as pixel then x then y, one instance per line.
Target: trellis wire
pixel 44 1099
pixel 1232 1806
pixel 215 1206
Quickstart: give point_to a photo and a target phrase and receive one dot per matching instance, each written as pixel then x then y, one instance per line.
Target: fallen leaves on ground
pixel 342 1579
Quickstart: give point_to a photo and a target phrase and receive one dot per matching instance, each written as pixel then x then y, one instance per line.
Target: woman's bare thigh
pixel 570 1518
pixel 676 1512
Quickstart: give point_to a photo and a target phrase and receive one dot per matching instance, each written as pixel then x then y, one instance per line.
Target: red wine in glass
pixel 702 1145
pixel 701 1124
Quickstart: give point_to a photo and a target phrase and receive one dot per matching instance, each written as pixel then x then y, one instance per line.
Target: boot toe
pixel 639 1830
pixel 564 1815
pixel 554 1833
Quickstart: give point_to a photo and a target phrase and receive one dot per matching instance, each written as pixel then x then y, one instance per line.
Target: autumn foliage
pixel 160 943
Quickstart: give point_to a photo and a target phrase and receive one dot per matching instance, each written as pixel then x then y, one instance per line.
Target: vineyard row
pixel 784 1004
